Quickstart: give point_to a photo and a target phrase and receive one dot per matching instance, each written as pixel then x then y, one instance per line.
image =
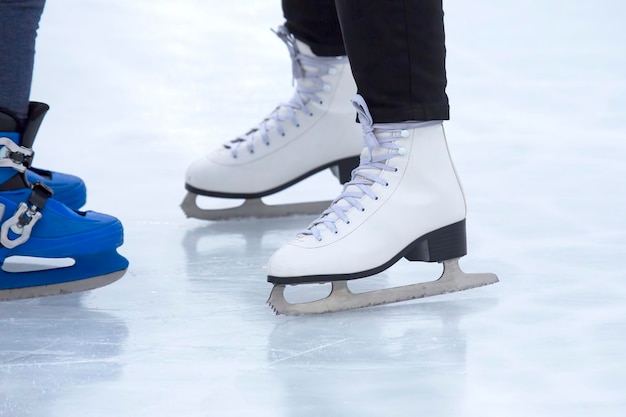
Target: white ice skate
pixel 404 201
pixel 315 130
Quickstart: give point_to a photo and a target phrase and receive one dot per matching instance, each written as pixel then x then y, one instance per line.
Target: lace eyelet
pixel 283 135
pixel 395 170
pixel 363 209
pixel 386 184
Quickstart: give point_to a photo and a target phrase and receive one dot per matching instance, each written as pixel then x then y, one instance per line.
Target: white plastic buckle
pixel 21 223
pixel 14 156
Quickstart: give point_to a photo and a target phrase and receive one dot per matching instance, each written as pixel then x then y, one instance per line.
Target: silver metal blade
pixel 61 288
pixel 341 298
pixel 254 207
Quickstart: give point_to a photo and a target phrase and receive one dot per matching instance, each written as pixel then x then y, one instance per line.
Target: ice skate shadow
pixel 368 362
pixel 52 346
pixel 234 253
pixel 241 237
pixel 237 251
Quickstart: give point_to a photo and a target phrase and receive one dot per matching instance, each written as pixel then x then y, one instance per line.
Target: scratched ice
pixel 139 89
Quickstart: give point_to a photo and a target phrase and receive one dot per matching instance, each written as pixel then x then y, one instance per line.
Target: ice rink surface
pixel 139 89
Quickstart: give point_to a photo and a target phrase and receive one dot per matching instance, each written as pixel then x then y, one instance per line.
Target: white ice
pixel 140 88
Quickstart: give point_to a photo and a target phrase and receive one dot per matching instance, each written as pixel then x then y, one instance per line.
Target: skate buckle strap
pixel 25 217
pixel 15 156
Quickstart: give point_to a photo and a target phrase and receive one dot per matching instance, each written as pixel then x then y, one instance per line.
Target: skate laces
pixel 307 71
pixel 380 147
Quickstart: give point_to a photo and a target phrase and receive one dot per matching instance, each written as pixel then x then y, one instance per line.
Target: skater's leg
pixel 397 50
pixel 45 248
pixel 20 119
pixel 316 24
pixel 405 199
pixel 19 20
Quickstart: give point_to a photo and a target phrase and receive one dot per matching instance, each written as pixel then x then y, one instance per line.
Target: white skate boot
pixel 404 200
pixel 315 130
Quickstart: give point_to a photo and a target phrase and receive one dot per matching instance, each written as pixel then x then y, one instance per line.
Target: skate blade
pixel 61 288
pixel 254 208
pixel 341 298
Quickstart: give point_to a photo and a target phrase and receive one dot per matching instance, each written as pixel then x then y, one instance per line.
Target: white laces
pixel 308 72
pixel 379 148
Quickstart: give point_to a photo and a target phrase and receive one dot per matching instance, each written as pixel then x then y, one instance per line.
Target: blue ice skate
pixel 47 248
pixel 68 189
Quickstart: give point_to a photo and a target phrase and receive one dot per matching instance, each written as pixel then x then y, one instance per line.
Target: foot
pixel 48 249
pixel 404 200
pixel 312 131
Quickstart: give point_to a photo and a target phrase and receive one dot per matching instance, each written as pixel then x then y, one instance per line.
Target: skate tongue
pixel 373 149
pixel 373 161
pixel 366 170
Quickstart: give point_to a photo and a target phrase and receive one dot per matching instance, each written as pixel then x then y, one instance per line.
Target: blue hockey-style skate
pixel 47 248
pixel 68 189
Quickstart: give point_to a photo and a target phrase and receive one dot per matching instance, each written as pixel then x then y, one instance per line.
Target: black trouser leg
pixel 315 23
pixel 19 20
pixel 397 52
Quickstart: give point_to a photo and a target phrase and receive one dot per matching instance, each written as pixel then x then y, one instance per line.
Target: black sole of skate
pixel 440 245
pixel 345 167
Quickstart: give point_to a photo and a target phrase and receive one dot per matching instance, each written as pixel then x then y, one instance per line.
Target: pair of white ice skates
pixel 401 197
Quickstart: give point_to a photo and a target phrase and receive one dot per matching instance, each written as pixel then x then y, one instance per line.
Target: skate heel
pixel 449 242
pixel 345 167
